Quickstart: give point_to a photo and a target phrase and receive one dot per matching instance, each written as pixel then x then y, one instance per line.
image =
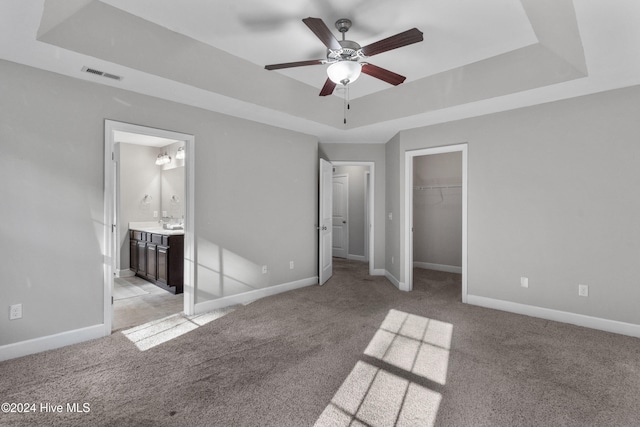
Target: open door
pixel 325 228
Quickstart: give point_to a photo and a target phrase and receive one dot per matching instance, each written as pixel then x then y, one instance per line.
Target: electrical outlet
pixel 264 269
pixel 15 311
pixel 155 214
pixel 524 282
pixel 390 216
pixel 583 290
pixel 290 265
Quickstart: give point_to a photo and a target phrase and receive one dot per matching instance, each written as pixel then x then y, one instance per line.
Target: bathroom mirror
pixel 172 189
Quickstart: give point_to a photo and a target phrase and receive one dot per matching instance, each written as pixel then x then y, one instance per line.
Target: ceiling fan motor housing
pixel 350 51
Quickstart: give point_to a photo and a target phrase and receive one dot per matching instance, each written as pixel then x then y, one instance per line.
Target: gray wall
pixel 437 213
pixel 551 197
pixel 51 167
pixel 366 153
pixel 356 206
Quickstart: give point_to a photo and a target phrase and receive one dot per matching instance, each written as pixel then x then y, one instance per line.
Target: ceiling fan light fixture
pixel 344 72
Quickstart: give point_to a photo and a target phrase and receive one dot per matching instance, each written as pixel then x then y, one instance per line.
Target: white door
pixel 324 222
pixel 340 215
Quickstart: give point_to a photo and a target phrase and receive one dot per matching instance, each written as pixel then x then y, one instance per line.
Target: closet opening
pixel 436 216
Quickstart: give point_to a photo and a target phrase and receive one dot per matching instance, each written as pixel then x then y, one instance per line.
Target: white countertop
pixel 153 227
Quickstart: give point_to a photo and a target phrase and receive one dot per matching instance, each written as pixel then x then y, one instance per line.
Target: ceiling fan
pixel 346 57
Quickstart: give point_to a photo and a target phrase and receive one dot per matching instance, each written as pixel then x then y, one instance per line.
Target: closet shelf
pixel 436 187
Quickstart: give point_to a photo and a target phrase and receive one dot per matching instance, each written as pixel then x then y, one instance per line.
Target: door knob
pixel 344 222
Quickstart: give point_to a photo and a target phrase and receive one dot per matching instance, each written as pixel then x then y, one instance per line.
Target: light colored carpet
pixel 355 351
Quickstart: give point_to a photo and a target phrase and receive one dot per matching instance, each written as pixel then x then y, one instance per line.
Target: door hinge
pixel 111 299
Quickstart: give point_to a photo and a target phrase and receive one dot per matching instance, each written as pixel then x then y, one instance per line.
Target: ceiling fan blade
pixel 399 40
pixel 328 88
pixel 382 74
pixel 294 64
pixel 323 32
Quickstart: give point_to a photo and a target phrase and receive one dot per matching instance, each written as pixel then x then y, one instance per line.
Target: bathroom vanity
pixel 157 255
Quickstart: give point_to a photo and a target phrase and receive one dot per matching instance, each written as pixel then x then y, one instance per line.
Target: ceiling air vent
pixel 101 73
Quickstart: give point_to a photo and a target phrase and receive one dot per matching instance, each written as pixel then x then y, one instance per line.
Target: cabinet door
pixel 163 264
pixel 151 261
pixel 142 258
pixel 133 255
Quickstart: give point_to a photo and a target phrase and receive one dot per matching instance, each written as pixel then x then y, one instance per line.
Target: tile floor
pixel 137 301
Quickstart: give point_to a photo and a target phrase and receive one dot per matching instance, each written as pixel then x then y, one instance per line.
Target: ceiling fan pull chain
pixel 344 110
pixel 347 105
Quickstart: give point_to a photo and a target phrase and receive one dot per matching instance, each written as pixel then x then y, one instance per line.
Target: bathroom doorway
pixel 149 210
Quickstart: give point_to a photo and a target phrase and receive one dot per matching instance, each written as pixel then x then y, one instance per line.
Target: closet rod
pixel 436 187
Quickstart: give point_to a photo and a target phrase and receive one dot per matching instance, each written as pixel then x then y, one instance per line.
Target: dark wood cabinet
pixel 159 259
pixel 163 264
pixel 133 255
pixel 152 261
pixel 142 258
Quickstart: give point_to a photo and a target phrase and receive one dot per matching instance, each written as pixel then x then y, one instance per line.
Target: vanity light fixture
pixel 163 159
pixel 180 153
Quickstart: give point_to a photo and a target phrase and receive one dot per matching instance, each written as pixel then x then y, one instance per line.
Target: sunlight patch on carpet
pixel 373 396
pixel 157 332
pixel 413 343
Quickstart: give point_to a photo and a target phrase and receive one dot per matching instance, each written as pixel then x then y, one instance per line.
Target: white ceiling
pixel 537 51
pixel 457 32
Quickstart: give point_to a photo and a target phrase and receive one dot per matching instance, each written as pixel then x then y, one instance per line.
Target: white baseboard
pixel 246 297
pixel 379 272
pixel 356 257
pixel 438 267
pixel 557 315
pixel 37 345
pixel 125 273
pixel 398 284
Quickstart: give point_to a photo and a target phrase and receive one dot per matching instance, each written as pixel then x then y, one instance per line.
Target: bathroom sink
pixel 173 227
pixel 157 228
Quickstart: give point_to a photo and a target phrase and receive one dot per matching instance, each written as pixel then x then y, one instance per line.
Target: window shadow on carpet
pixel 400 378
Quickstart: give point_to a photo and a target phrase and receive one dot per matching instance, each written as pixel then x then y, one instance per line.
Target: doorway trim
pixel 371 198
pixel 408 210
pixel 367 195
pixel 110 219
